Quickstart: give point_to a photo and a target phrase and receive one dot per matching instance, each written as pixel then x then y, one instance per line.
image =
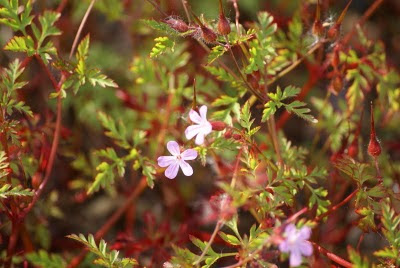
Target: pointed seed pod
pixel 374 148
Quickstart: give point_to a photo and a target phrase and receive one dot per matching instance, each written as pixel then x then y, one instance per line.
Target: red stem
pixel 332 256
pixel 336 207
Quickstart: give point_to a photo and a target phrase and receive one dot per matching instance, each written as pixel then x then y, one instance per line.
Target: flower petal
pixel 194 116
pixel 199 138
pixel 284 246
pixel 290 230
pixel 192 131
pixel 203 113
pixel 189 154
pixel 304 233
pixel 186 168
pixel 295 258
pixel 172 170
pixel 306 248
pixel 164 161
pixel 206 128
pixel 173 148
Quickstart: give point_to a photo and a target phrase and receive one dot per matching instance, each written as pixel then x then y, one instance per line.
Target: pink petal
pixel 284 246
pixel 207 128
pixel 199 138
pixel 295 258
pixel 305 233
pixel 192 131
pixel 194 116
pixel 189 154
pixel 172 171
pixel 306 248
pixel 290 230
pixel 164 161
pixel 173 148
pixel 186 168
pixel 203 113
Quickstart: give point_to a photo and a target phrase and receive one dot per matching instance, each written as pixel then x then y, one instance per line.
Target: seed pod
pixel 177 24
pixel 374 148
pixel 218 125
pixel 224 27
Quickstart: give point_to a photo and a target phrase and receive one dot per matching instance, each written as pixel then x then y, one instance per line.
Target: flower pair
pixel 177 159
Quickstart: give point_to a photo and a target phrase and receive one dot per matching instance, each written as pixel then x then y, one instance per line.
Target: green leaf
pixel 116 131
pixel 21 44
pixel 106 258
pixel 104 178
pixel 245 117
pixel 233 240
pixel 95 77
pixel 46 260
pixel 161 46
pixel 297 107
pixel 356 259
pixel 216 52
pixel 7 190
pixel 11 15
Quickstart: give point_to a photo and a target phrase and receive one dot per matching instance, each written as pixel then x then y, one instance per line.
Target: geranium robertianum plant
pixel 198 134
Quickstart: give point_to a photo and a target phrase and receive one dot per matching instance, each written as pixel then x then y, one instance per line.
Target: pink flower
pixel 201 128
pixel 176 160
pixel 295 243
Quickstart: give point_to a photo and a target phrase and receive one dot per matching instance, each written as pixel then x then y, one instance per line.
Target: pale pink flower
pixel 176 160
pixel 202 126
pixel 295 243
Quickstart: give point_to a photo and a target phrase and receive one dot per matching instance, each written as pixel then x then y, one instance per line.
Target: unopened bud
pixel 177 24
pixel 218 125
pixel 208 35
pixel 224 28
pixel 237 136
pixel 228 134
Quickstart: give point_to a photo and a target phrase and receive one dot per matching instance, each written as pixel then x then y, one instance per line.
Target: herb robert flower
pixel 295 243
pixel 202 126
pixel 176 160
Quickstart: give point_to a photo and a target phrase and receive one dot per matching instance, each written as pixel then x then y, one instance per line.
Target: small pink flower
pixel 295 243
pixel 176 160
pixel 201 128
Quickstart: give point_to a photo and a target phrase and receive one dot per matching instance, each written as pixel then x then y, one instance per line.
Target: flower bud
pixel 237 136
pixel 218 125
pixel 228 134
pixel 208 35
pixel 177 24
pixel 224 27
